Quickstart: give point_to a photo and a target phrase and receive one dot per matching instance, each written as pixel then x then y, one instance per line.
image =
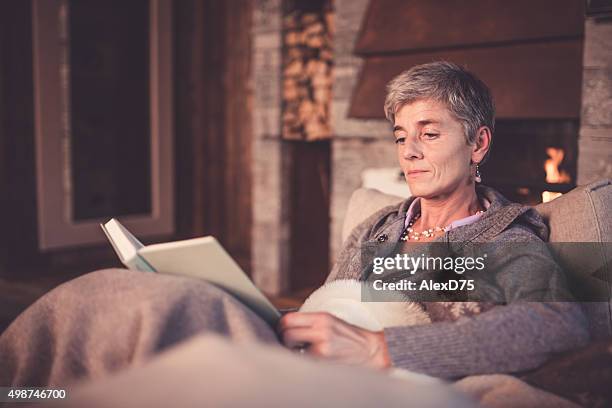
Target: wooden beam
pixel 393 26
pixel 238 133
pixel 214 135
pixel 540 80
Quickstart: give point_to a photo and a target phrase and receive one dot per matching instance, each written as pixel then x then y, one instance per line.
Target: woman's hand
pixel 331 338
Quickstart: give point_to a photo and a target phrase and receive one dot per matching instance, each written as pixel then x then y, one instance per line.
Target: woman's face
pixel 432 149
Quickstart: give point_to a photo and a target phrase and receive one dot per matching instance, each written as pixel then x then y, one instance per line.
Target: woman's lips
pixel 415 173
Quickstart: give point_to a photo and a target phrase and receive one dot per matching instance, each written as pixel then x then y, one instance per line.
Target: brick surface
pixel 598 44
pixel 599 163
pixel 344 80
pixel 266 16
pixel 346 127
pixel 594 154
pixel 595 141
pixel 267 40
pixel 351 156
pixel 596 134
pixel 267 175
pixel 266 122
pixel 597 97
pixel 267 220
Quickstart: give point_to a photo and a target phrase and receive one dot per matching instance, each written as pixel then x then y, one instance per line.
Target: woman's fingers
pixel 298 329
pixel 300 337
pixel 329 337
pixel 304 319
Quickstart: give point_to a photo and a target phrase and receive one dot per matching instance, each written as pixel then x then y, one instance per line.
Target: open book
pixel 202 258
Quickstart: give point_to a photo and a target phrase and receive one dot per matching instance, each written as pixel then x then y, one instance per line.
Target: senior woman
pixel 443 118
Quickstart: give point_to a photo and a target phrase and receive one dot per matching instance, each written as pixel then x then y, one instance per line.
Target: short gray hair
pixel 465 96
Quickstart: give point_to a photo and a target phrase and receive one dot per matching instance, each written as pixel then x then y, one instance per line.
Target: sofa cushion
pixel 577 220
pixel 363 203
pixel 582 215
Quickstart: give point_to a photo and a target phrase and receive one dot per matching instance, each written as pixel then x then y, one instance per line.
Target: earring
pixel 477 177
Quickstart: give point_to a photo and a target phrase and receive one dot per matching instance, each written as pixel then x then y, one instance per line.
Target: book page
pixel 125 244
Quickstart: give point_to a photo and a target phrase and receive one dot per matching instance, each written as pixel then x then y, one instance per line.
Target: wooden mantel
pixel 529 53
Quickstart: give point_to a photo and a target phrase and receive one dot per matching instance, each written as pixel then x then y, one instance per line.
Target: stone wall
pixel 269 230
pixel 595 142
pixel 357 144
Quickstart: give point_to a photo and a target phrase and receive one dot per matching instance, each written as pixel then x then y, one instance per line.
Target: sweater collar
pixel 415 208
pixel 500 214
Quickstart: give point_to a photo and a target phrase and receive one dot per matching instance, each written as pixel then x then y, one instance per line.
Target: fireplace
pixel 533 161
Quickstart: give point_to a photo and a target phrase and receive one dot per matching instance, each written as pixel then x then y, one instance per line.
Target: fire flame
pixel 553 175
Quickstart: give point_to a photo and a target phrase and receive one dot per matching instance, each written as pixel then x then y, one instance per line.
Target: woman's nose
pixel 412 150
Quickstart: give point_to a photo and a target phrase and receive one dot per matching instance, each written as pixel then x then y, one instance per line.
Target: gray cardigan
pixel 503 339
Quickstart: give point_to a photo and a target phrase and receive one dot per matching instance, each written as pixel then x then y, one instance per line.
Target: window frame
pixel 56 227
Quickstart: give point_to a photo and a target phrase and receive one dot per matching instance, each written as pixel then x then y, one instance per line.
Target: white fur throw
pixel 342 298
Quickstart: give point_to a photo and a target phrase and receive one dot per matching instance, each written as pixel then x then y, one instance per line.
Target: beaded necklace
pixel 410 234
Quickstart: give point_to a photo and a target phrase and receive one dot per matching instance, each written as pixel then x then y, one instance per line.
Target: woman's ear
pixel 482 145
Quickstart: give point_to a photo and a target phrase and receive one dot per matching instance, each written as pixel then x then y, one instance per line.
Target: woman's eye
pixel 431 135
pixel 400 140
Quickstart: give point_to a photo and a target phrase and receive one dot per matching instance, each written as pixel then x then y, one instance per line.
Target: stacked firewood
pixel 307 73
